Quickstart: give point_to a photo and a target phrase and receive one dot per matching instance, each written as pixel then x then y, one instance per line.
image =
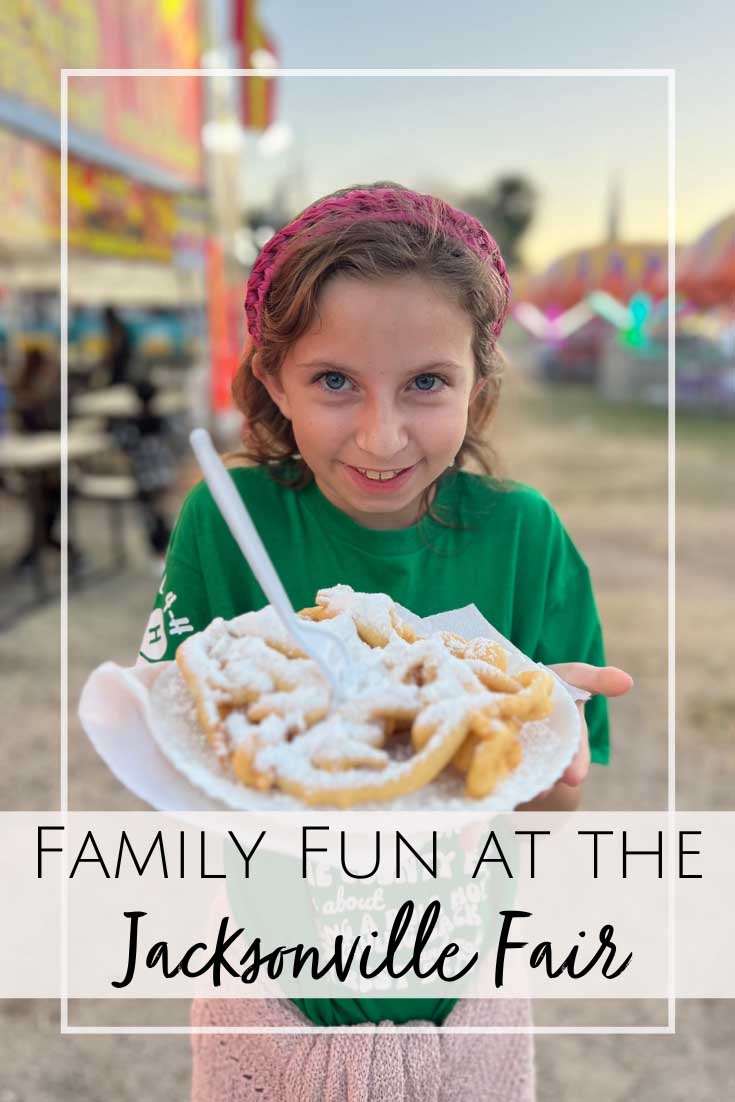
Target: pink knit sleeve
pixel 363 1067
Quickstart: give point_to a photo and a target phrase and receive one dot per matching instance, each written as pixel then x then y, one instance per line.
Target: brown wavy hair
pixel 368 250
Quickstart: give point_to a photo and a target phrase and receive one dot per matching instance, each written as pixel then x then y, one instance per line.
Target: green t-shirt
pixel 506 551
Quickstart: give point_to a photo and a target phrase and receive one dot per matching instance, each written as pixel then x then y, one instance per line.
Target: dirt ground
pixel 604 469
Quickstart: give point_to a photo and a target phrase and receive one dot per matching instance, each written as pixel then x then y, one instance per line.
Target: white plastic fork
pixel 321 644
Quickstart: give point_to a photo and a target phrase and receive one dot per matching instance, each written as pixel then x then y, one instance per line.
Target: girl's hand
pixel 600 681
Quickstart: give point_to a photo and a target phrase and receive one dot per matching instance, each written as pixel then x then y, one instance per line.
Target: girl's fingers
pixel 599 680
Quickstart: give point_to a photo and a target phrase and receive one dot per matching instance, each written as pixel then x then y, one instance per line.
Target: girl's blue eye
pixel 333 380
pixel 422 381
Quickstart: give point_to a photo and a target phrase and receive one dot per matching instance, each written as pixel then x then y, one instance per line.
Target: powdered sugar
pixel 548 747
pixel 239 679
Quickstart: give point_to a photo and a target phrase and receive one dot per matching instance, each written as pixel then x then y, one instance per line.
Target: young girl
pixel 371 381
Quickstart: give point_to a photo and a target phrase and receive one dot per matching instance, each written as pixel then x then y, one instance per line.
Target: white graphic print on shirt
pixel 154 644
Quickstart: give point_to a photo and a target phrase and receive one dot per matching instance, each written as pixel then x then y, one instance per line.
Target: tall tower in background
pixel 613 209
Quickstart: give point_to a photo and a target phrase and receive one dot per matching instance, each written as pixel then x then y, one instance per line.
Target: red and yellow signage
pixel 117 216
pixel 29 194
pixel 154 119
pixel 108 214
pixel 258 93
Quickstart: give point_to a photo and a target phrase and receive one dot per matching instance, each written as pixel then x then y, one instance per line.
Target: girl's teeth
pixel 378 476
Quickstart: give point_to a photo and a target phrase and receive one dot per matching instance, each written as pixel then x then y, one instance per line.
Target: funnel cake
pixel 418 704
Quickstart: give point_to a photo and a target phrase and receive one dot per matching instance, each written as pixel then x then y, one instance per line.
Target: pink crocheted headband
pixel 378 205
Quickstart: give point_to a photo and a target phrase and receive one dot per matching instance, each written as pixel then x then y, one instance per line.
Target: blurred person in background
pixel 35 393
pixel 119 351
pixel 36 408
pixel 4 399
pixel 4 378
pixel 145 441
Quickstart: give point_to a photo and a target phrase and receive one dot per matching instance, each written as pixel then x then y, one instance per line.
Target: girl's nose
pixel 380 431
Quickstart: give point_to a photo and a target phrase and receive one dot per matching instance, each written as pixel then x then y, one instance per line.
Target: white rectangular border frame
pixel 670 76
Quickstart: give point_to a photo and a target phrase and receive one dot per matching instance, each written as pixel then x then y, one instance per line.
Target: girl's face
pixel 377 391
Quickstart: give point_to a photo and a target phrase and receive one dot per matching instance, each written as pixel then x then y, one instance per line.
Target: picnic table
pixel 30 456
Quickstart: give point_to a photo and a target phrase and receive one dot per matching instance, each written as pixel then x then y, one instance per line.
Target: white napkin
pixel 115 711
pixel 469 622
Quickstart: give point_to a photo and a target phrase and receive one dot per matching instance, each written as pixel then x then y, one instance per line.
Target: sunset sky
pixel 570 136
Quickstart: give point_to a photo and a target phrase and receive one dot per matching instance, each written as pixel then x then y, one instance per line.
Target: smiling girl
pixel 369 388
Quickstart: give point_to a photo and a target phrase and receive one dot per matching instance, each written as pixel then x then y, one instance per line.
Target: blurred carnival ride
pixel 600 316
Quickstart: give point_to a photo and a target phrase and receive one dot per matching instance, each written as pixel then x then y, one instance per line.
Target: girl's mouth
pixel 379 482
